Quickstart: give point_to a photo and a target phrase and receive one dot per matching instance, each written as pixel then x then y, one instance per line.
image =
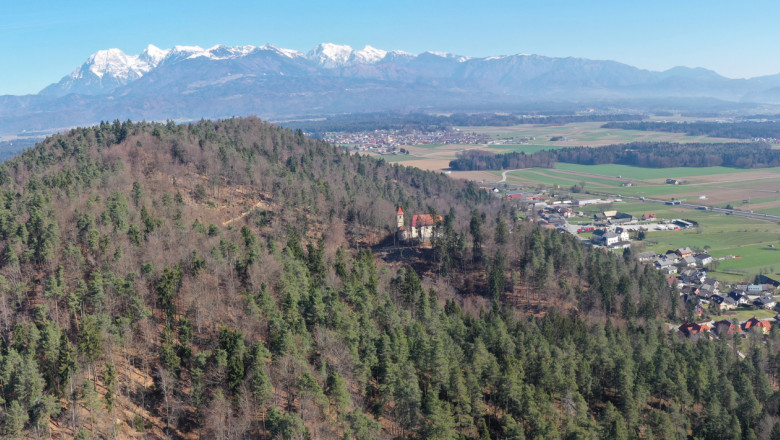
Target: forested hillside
pixel 225 280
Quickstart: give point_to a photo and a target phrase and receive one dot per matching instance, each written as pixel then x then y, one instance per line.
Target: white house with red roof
pixel 421 227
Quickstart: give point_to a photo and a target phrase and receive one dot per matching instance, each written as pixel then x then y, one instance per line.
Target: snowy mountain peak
pixel 368 55
pixel 153 55
pixel 187 49
pixel 105 70
pixel 289 53
pixel 447 55
pixel 114 63
pixel 331 55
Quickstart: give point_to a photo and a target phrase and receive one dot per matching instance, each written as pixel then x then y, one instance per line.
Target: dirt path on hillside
pixel 245 213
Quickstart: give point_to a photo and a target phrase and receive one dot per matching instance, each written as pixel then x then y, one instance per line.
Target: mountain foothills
pixel 234 280
pixel 190 83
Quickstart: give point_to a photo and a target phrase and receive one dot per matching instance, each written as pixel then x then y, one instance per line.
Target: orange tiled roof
pixel 423 220
pixel 753 322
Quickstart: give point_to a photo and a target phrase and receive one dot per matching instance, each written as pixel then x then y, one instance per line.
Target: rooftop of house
pixel 692 328
pixel 729 326
pixel 423 220
pixel 754 322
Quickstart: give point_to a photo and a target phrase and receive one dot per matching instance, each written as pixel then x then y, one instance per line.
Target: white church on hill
pixel 421 227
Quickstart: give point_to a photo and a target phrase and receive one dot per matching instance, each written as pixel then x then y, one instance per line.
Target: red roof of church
pixel 423 220
pixel 400 211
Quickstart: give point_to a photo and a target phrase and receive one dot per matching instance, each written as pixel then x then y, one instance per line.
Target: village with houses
pixel 685 268
pixel 611 230
pixel 384 142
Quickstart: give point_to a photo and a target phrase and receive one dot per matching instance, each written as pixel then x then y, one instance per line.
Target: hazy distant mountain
pixel 189 82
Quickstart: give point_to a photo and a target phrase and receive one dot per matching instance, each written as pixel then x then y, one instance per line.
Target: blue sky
pixel 41 41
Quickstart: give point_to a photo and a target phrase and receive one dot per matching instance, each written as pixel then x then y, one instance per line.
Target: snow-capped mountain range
pixel 108 69
pixel 190 82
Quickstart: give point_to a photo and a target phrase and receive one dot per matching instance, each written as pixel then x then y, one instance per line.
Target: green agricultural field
pixel 576 178
pixel 534 176
pixel 430 146
pixel 584 133
pixel 719 244
pixel 771 211
pixel 541 177
pixel 720 185
pixel 719 234
pixel 654 191
pixel 396 157
pixel 753 257
pixel 594 178
pixel 753 183
pixel 640 173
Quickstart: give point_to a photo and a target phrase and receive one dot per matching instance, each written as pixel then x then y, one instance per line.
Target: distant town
pixel 393 141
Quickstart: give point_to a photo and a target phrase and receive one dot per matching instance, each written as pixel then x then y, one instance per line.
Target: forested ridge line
pixel 128 310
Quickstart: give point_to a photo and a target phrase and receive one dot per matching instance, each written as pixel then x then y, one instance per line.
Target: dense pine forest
pixel 639 154
pixel 237 280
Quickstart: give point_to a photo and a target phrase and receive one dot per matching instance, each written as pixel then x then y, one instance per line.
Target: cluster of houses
pixel 511 140
pixel 701 291
pixel 388 141
pixel 724 328
pixel 531 197
pixel 674 261
pixel 612 239
pixel 555 217
pixel 759 295
pixel 688 275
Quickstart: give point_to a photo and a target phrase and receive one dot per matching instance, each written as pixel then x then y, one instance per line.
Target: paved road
pixel 756 215
pixel 503 174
